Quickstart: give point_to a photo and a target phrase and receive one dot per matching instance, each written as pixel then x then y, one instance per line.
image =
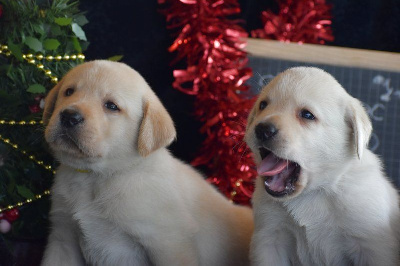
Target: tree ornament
pixel 301 21
pixel 38 105
pixel 5 226
pixel 34 108
pixel 41 104
pixel 11 215
pixel 215 74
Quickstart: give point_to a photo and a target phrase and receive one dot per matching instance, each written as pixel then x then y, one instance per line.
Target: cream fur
pixel 344 210
pixel 137 205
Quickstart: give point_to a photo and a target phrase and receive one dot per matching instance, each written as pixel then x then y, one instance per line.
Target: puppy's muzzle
pixel 70 118
pixel 265 132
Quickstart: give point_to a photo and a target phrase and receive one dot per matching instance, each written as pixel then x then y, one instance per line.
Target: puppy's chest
pixel 85 204
pixel 319 233
pixel 80 195
pixel 101 240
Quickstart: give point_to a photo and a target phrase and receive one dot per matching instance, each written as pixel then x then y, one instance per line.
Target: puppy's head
pixel 102 112
pixel 304 130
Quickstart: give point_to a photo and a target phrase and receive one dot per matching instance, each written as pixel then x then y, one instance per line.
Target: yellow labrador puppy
pixel 119 197
pixel 321 196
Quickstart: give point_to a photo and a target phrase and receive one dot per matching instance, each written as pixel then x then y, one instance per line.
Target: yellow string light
pixel 30 156
pixel 21 123
pixel 4 50
pixel 234 191
pixel 32 59
pixel 27 201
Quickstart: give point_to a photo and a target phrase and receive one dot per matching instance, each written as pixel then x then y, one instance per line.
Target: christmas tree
pixel 40 40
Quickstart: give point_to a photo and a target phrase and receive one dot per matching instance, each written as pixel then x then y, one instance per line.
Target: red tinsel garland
pixel 216 72
pixel 301 21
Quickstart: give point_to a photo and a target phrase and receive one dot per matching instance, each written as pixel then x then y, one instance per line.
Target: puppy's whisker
pixel 240 123
pixel 239 142
pixel 263 80
pixel 39 138
pixel 41 128
pixel 243 153
pixel 234 139
pixel 243 143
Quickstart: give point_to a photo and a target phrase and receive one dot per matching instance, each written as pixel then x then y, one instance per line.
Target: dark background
pixel 137 30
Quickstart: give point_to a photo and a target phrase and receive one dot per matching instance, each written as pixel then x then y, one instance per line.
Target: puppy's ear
pixel 50 102
pixel 157 128
pixel 361 126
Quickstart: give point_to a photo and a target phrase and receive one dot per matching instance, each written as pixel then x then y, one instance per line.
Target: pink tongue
pixel 272 165
pixel 278 182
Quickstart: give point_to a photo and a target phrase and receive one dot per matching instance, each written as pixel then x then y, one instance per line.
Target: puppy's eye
pixel 263 105
pixel 69 91
pixel 307 114
pixel 111 106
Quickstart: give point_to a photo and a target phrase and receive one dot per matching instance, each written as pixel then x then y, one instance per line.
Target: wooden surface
pixel 324 54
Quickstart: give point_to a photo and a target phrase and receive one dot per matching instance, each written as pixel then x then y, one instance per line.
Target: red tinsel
pixel 216 72
pixel 301 21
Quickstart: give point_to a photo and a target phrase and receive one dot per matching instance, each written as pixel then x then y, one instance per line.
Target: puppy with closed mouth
pixel 119 197
pixel 321 196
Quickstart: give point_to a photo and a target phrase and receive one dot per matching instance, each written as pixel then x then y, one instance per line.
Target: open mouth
pixel 280 175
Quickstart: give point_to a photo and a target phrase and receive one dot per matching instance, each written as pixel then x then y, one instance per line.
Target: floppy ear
pixel 361 126
pixel 157 128
pixel 50 102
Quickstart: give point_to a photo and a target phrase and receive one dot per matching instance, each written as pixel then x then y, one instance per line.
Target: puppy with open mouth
pixel 321 196
pixel 119 197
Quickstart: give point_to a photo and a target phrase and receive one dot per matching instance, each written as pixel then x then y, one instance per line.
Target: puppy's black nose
pixel 70 118
pixel 266 131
